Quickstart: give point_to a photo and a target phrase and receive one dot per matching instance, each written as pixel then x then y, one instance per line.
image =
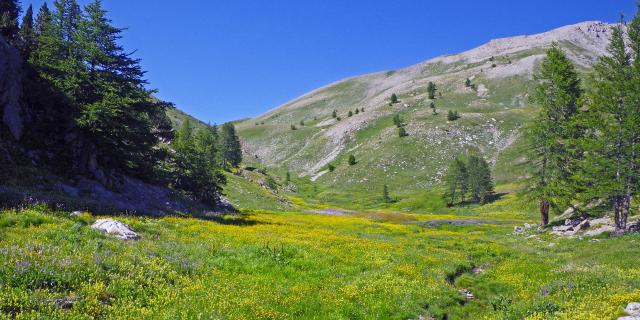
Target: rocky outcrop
pixel 11 89
pixel 115 228
pixel 633 310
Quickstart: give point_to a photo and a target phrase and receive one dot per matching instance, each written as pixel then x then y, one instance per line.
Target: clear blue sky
pixel 225 60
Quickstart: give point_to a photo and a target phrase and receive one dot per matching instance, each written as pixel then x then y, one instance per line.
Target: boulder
pixel 600 230
pixel 601 222
pixel 563 228
pixel 584 225
pixel 633 226
pixel 115 228
pixel 633 309
pixel 518 230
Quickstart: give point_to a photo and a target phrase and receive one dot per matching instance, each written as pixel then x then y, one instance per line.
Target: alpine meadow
pixel 501 182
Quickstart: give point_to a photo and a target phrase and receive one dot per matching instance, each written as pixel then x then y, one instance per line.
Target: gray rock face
pixel 115 228
pixel 11 88
pixel 600 230
pixel 633 310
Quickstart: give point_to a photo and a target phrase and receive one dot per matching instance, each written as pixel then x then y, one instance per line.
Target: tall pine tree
pixel 611 162
pixel 9 13
pixel 231 148
pixel 558 94
pixel 27 33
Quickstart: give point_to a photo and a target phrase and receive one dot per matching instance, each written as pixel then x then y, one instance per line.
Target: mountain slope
pixel 493 110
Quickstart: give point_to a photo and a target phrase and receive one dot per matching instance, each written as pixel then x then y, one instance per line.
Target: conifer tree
pixel 402 132
pixel 394 98
pixel 385 194
pixel 350 114
pixel 611 165
pixel 231 147
pixel 431 90
pixel 27 33
pixel 352 160
pixel 558 94
pixel 479 178
pixel 456 180
pixel 9 13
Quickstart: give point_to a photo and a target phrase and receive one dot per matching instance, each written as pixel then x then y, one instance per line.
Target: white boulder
pixel 600 230
pixel 115 228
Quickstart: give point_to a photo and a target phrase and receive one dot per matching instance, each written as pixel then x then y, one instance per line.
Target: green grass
pixel 302 266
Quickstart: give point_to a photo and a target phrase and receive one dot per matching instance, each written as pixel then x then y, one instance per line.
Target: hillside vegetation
pixel 489 87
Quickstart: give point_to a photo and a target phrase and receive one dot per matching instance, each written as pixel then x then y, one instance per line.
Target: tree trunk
pixel 544 212
pixel 617 214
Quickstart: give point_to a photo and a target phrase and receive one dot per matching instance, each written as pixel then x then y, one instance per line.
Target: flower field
pixel 265 265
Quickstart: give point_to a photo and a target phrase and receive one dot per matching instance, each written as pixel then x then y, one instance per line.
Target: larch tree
pixel 558 93
pixel 611 166
pixel 231 148
pixel 9 13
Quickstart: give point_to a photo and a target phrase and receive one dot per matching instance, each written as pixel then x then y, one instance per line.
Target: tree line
pixel 584 142
pixel 88 105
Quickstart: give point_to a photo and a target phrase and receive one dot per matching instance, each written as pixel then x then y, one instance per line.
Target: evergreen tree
pixel 479 179
pixel 293 127
pixel 432 105
pixel 558 93
pixel 431 90
pixel 397 121
pixel 231 148
pixel 402 132
pixel 334 114
pixel 195 170
pixel 611 165
pixel 456 180
pixel 350 114
pixel 9 13
pixel 27 33
pixel 352 160
pixel 287 177
pixel 467 83
pixel 357 111
pixel 394 98
pixel 385 194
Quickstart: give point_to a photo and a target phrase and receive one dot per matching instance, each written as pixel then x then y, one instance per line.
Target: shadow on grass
pixel 490 199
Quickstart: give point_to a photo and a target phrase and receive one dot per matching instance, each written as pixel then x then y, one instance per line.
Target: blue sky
pixel 225 60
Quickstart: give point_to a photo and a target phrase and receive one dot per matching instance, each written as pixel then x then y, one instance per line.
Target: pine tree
pixel 334 114
pixel 357 111
pixel 558 93
pixel 467 83
pixel 432 105
pixel 9 13
pixel 385 194
pixel 611 165
pixel 231 147
pixel 479 179
pixel 293 127
pixel 352 160
pixel 402 132
pixel 456 180
pixel 397 121
pixel 431 90
pixel 350 114
pixel 27 33
pixel 287 177
pixel 394 98
pixel 451 116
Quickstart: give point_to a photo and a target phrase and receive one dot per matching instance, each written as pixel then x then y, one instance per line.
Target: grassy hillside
pixel 494 109
pixel 307 266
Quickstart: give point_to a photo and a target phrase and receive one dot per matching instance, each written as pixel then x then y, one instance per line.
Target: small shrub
pixel 331 167
pixel 352 160
pixel 402 132
pixel 293 127
pixel 394 99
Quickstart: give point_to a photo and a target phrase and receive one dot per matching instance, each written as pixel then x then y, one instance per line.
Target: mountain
pixel 493 109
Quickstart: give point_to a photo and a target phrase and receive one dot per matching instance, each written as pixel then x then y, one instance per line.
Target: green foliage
pixel 386 198
pixel 195 167
pixel 352 160
pixel 453 115
pixel 230 145
pixel 432 89
pixel 457 181
pixel 350 114
pixel 467 83
pixel 402 132
pixel 334 114
pixel 28 36
pixel 393 99
pixel 9 13
pixel 558 94
pixel 293 127
pixel 357 111
pixel 302 123
pixel 611 166
pixel 287 178
pixel 397 121
pixel 331 167
pixel 271 183
pixel 479 178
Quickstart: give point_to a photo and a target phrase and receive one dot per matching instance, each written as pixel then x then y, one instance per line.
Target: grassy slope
pixel 304 266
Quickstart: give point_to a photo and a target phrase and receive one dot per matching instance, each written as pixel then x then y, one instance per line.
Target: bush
pixel 350 114
pixel 331 167
pixel 352 160
pixel 293 127
pixel 394 98
pixel 402 132
pixel 453 115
